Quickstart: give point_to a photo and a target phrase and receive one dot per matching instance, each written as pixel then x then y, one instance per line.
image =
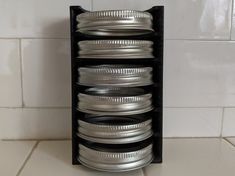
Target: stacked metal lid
pixel 115 129
pixel 121 49
pixel 115 23
pixel 114 101
pixel 116 160
pixel 115 75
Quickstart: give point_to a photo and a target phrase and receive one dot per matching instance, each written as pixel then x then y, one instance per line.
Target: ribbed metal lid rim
pixel 111 69
pixel 115 14
pixel 116 154
pixel 100 43
pixel 114 127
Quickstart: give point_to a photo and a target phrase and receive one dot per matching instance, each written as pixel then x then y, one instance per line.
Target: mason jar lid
pixel 114 95
pixel 111 133
pixel 115 75
pixel 115 49
pixel 115 161
pixel 115 23
pixel 115 101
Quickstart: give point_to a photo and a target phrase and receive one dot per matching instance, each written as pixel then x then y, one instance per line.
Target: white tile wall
pixel 229 122
pixel 184 19
pixel 33 18
pixel 46 72
pixel 199 76
pixel 24 123
pixel 10 74
pixel 192 122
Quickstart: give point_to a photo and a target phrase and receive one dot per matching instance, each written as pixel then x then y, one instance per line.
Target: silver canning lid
pixel 115 75
pixel 106 134
pixel 107 167
pixel 115 101
pixel 113 140
pixel 114 95
pixel 115 49
pixel 133 112
pixel 115 23
pixel 114 107
pixel 115 156
pixel 115 134
pixel 114 128
pixel 115 161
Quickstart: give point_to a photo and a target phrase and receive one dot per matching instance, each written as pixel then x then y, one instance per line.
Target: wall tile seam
pixel 58 38
pixel 166 39
pixel 21 73
pixel 69 107
pixel 222 123
pixel 39 108
pixel 188 40
pixel 198 107
pixel 34 38
pixel 92 5
pixel 231 26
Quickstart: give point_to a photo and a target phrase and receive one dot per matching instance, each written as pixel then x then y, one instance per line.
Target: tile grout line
pixel 222 123
pixel 32 38
pixel 229 142
pixel 39 140
pixel 200 40
pixel 69 139
pixel 144 172
pixel 27 159
pixel 69 107
pixel 194 107
pixel 231 27
pixel 166 39
pixel 25 107
pixel 21 74
pixel 92 5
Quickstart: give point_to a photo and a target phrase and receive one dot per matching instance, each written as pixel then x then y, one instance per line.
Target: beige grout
pixel 68 139
pixel 21 73
pixel 222 123
pixel 196 137
pixel 69 107
pixel 32 38
pixel 166 39
pixel 27 159
pixel 92 5
pixel 144 172
pixel 39 140
pixel 36 107
pixel 201 107
pixel 228 141
pixel 231 27
pixel 200 40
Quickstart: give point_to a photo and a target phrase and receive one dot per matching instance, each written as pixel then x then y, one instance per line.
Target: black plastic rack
pixel 156 89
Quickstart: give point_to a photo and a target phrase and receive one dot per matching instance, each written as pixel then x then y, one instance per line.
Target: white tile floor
pixel 189 157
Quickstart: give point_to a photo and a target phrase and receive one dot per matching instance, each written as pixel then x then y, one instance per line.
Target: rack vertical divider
pixel 157 63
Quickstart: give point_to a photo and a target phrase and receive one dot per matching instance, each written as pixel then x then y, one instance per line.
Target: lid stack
pixel 114 98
